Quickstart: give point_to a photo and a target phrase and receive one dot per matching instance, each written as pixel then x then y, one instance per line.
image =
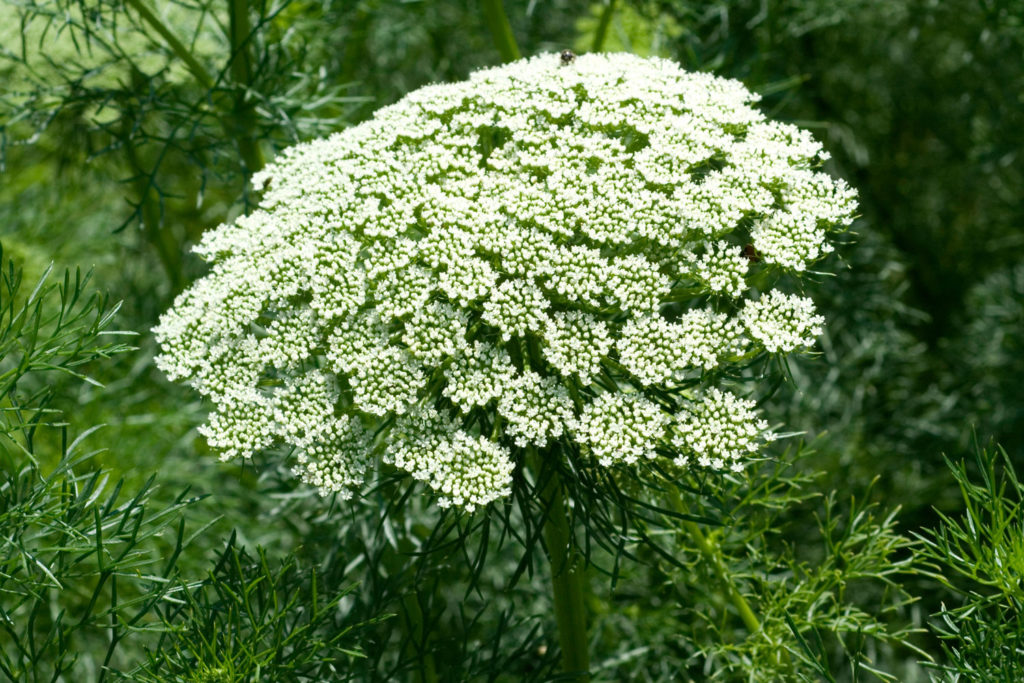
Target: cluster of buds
pixel 551 250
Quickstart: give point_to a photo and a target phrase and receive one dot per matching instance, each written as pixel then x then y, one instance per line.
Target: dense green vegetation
pixel 882 543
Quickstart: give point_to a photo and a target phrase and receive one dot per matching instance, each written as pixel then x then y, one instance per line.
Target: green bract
pixel 545 251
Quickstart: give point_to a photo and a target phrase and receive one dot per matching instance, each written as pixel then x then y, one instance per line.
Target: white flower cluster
pixel 621 427
pixel 656 351
pixel 335 461
pixel 719 429
pixel 537 409
pixel 782 323
pixel 467 471
pixel 545 251
pixel 721 267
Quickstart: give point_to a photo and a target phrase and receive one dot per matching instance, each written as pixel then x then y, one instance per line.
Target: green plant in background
pixel 89 570
pixel 52 329
pixel 979 555
pixel 639 28
pixel 252 620
pixel 164 90
pixel 825 607
pixel 81 568
pixel 73 552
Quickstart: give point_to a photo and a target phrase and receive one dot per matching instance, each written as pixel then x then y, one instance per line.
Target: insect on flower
pixel 567 57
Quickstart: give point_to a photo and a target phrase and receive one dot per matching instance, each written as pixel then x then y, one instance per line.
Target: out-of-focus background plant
pixel 129 128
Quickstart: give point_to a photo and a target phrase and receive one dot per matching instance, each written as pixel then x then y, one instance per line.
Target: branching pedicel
pixel 545 251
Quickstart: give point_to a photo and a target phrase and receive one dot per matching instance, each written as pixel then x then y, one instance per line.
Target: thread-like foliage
pixel 79 569
pixel 54 328
pixel 89 566
pixel 252 619
pixel 979 554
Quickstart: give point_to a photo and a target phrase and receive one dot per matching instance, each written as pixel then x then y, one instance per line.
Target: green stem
pixel 241 29
pixel 602 26
pixel 567 570
pixel 159 237
pixel 500 28
pixel 241 74
pixel 713 554
pixel 166 249
pixel 427 673
pixel 177 47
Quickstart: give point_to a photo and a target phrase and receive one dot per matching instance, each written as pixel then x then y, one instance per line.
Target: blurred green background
pixel 117 155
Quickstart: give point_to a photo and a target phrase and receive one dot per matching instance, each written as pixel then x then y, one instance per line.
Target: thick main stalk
pixel 567 570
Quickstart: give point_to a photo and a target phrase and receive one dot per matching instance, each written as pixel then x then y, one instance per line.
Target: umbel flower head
pixel 545 252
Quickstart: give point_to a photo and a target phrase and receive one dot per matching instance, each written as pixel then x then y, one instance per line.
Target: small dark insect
pixel 751 253
pixel 567 57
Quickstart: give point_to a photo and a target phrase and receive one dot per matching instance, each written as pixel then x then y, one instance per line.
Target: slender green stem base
pixel 713 555
pixel 419 639
pixel 567 571
pixel 241 74
pixel 602 26
pixel 500 28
